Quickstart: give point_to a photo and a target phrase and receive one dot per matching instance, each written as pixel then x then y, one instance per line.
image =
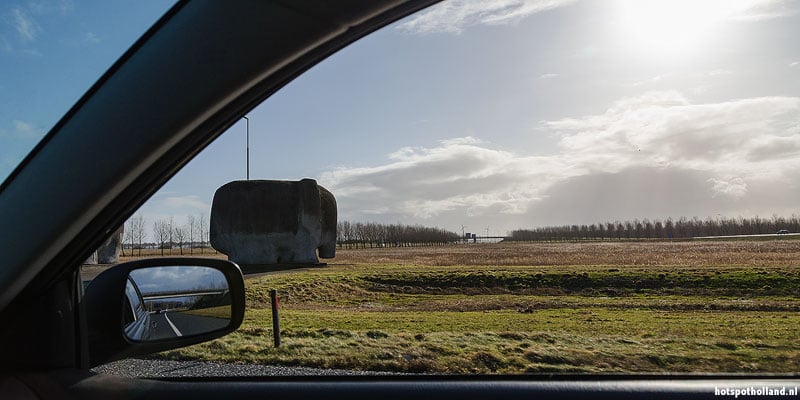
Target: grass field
pixel 652 307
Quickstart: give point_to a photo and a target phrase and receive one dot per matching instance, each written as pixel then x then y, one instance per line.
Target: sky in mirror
pixel 178 279
pixel 512 114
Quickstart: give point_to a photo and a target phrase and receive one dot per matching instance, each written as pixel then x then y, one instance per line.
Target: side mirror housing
pixel 158 304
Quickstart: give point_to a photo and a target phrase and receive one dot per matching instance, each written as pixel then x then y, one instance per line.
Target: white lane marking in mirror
pixel 174 329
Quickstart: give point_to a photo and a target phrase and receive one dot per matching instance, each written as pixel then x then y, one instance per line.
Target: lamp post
pixel 248 146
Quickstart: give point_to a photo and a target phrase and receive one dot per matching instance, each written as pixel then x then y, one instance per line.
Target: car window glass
pixel 133 298
pixel 51 52
pixel 521 187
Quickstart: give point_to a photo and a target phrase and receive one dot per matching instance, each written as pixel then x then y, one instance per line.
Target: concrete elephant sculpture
pixel 108 253
pixel 261 222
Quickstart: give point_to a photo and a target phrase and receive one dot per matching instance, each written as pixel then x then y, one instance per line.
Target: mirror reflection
pixel 174 301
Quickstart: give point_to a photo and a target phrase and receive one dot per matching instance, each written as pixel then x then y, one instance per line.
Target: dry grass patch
pixel 647 253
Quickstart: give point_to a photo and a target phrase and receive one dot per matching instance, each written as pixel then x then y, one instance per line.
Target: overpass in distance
pixel 483 239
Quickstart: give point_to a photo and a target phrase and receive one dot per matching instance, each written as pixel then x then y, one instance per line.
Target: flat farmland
pixel 695 253
pixel 597 307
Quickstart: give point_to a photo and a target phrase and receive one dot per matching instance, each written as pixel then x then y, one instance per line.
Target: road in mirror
pixel 175 301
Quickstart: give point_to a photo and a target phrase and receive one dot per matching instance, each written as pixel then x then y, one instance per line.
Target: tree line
pixel 167 234
pixel 373 234
pixel 660 229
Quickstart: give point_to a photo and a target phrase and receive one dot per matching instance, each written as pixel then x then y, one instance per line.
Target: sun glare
pixel 669 26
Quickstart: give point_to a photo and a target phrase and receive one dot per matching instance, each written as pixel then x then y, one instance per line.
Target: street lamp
pixel 248 146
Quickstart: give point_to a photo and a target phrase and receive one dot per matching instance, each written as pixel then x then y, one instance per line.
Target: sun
pixel 669 26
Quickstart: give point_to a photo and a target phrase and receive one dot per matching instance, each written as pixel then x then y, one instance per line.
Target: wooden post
pixel 276 323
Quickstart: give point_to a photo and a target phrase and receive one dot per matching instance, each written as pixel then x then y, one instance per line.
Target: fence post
pixel 276 323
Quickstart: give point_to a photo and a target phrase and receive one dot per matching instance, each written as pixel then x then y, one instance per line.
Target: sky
pixel 491 115
pixel 178 279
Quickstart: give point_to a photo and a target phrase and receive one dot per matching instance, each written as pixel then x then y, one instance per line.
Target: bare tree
pixel 202 229
pixel 128 236
pixel 180 234
pixel 669 228
pixel 136 232
pixel 191 226
pixel 171 231
pixel 361 234
pixel 161 233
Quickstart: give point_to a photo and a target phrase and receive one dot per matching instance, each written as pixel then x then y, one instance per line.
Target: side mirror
pixel 152 305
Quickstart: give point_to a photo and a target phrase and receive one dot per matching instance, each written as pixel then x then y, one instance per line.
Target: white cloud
pixel 665 128
pixel 27 130
pixel 548 76
pixel 735 187
pixel 731 153
pixel 5 44
pixel 703 80
pixel 25 26
pixel 90 38
pixel 190 204
pixel 454 16
pixel 795 64
pixel 756 10
pixel 51 6
pixel 719 72
pixel 423 182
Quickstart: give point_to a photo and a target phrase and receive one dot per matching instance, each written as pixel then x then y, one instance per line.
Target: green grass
pixel 589 340
pixel 223 312
pixel 517 319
